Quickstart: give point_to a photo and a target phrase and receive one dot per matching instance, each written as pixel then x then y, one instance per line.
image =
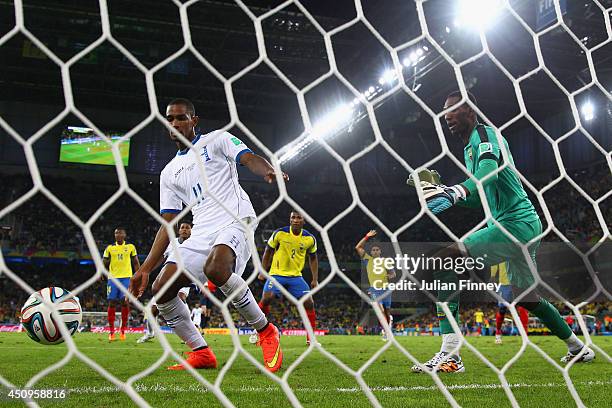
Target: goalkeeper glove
pixel 440 197
pixel 430 176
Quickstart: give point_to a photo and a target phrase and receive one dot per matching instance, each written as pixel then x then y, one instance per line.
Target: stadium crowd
pixel 39 226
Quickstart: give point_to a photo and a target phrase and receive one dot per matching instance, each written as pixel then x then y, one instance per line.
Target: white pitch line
pixel 158 387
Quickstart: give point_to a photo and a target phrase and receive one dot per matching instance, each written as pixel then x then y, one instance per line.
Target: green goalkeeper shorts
pixel 495 247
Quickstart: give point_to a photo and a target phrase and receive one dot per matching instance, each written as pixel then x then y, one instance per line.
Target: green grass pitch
pixel 93 153
pixel 316 382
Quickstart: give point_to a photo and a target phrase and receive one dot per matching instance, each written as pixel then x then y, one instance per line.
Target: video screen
pixel 82 145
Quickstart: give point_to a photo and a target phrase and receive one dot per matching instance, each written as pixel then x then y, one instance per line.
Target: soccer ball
pixel 36 318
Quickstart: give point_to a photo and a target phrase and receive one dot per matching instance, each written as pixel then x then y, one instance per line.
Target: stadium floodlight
pixel 328 125
pixel 478 14
pixel 406 62
pixel 387 77
pixel 419 52
pixel 336 119
pixel 588 111
pixel 290 153
pixel 371 89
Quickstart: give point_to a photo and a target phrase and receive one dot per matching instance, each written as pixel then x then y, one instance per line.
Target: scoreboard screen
pixel 82 145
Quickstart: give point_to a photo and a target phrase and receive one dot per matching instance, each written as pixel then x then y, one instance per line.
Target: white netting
pixel 282 381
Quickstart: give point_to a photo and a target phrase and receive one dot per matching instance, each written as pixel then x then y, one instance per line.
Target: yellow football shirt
pixel 290 251
pixel 479 316
pixel 501 270
pixel 377 280
pixel 120 259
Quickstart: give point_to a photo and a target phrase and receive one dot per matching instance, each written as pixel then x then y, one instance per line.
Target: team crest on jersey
pixel 234 241
pixel 470 153
pixel 485 148
pixel 205 154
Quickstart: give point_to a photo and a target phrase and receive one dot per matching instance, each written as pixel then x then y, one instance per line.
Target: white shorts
pixel 195 250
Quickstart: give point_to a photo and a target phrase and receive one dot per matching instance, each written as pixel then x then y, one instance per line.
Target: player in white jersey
pixel 196 316
pixel 184 233
pixel 218 249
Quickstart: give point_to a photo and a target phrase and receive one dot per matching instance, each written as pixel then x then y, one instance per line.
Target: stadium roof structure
pixel 224 34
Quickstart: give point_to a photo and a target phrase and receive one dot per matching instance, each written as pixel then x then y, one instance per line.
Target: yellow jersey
pixel 501 270
pixel 120 259
pixel 290 251
pixel 377 280
pixel 479 317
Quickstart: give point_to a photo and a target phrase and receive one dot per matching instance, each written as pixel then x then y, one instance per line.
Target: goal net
pixel 469 46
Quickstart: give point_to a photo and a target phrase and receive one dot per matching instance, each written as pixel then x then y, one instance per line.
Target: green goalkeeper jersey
pixel 504 191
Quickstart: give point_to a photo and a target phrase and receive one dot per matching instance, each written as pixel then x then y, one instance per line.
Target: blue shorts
pixel 296 285
pixel 378 295
pixel 505 291
pixel 112 290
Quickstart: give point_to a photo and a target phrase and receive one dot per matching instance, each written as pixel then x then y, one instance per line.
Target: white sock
pixel 574 344
pixel 244 301
pixel 450 342
pixel 176 315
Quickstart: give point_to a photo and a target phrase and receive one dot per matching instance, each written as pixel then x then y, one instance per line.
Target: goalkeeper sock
pixel 244 301
pixel 111 319
pixel 499 321
pixel 450 296
pixel 264 308
pixel 177 316
pixel 551 318
pixel 450 344
pixel 574 344
pixel 445 325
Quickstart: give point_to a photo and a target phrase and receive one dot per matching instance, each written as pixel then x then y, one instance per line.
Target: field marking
pixel 159 387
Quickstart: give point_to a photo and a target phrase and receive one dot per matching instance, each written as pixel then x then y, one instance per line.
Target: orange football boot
pixel 122 336
pixel 111 337
pixel 204 358
pixel 269 340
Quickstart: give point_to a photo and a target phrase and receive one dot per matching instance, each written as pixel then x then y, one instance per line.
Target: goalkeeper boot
pixel 203 358
pixel 586 357
pixel 498 339
pixel 430 364
pixel 453 364
pixel 269 341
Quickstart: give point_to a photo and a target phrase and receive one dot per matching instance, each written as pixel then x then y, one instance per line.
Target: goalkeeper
pixel 511 208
